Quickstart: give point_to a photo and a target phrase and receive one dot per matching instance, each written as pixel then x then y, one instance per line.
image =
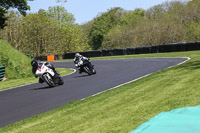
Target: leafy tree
pixel 54 30
pixel 145 28
pixel 117 37
pixel 87 27
pixel 121 35
pixel 21 5
pixel 45 32
pixel 60 15
pixel 193 32
pixel 131 18
pixel 102 25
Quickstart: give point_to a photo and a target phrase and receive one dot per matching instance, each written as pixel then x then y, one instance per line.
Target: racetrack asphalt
pixel 23 102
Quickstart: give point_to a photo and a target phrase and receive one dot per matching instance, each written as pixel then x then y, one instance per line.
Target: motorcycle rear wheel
pixel 60 81
pixel 94 71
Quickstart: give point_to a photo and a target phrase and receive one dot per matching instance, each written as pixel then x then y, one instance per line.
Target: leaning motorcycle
pixel 47 75
pixel 87 67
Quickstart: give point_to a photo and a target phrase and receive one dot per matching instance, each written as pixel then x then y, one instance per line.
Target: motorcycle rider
pixel 77 61
pixel 34 64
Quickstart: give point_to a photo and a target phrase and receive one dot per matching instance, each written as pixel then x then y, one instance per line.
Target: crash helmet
pixel 34 63
pixel 77 55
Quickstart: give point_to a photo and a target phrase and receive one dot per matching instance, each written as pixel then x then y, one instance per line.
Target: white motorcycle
pixel 47 75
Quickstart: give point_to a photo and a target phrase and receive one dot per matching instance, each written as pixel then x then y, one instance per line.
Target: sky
pixel 86 10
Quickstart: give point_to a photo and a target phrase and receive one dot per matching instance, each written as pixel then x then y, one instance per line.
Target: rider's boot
pixel 55 78
pixel 80 70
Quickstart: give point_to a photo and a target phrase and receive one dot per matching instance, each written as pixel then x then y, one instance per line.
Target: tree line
pixel 169 22
pixel 54 31
pixel 44 33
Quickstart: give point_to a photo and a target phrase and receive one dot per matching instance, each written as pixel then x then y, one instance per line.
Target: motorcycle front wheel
pixel 48 79
pixel 87 70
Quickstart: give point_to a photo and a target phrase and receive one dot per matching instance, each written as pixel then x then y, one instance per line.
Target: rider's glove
pixel 79 64
pixel 76 65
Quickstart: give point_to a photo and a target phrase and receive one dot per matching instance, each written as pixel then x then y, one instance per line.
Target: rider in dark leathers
pixel 77 61
pixel 34 64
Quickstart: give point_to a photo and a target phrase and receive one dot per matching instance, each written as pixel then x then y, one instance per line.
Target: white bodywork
pixel 43 69
pixel 79 64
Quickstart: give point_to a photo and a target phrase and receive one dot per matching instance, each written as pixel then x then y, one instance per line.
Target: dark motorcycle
pixel 88 67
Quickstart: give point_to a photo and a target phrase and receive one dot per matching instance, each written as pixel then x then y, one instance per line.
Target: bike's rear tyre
pixel 94 71
pixel 60 81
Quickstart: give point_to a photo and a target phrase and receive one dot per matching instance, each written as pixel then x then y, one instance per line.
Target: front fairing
pixel 42 69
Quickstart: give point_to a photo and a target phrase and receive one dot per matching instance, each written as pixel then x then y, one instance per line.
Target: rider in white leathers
pixel 35 64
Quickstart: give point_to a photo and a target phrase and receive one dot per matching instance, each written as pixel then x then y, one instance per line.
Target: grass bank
pixel 124 108
pixel 17 64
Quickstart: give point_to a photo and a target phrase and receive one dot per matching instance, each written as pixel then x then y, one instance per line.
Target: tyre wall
pixel 173 47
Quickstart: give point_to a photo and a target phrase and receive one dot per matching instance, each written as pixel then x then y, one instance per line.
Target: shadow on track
pixel 43 88
pixel 82 76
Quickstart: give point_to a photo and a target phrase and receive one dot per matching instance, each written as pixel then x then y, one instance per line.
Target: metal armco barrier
pixel 2 72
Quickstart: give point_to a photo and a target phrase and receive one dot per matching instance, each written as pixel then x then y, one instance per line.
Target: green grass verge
pixel 24 81
pixel 124 108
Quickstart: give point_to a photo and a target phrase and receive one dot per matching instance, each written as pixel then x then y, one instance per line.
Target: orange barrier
pixel 50 58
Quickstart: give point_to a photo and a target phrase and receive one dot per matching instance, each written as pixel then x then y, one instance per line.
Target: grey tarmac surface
pixel 23 102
